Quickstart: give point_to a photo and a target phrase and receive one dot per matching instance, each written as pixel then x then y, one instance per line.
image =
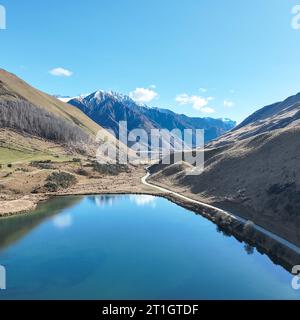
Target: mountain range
pixel 28 114
pixel 252 169
pixel 109 108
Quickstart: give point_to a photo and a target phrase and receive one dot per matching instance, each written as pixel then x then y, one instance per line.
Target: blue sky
pixel 243 53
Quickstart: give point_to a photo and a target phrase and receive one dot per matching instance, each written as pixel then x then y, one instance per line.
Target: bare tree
pixel 25 117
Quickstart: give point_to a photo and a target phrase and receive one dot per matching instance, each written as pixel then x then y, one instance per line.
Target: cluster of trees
pixel 24 117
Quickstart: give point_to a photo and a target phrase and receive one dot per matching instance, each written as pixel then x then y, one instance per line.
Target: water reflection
pixel 15 228
pixel 63 221
pixel 70 249
pixel 143 200
pixel 104 200
pixel 108 200
pixel 249 249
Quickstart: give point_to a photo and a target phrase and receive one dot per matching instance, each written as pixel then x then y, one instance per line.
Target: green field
pixel 15 156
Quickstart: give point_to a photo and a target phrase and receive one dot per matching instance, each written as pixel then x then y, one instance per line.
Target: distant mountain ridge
pixel 108 108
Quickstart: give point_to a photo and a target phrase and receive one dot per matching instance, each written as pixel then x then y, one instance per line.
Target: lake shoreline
pixel 137 235
pixel 277 252
pixel 25 200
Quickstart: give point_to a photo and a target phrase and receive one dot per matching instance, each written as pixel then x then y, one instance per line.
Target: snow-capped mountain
pixel 109 108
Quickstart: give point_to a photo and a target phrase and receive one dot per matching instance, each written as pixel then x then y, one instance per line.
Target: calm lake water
pixel 130 247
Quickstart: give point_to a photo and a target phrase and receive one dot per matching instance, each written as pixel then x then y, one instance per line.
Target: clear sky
pixel 187 55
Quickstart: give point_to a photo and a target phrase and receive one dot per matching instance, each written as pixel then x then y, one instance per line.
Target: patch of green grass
pixel 15 156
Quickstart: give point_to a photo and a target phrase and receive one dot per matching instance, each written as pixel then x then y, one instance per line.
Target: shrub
pixel 35 190
pixel 51 186
pixel 42 164
pixel 222 219
pixel 218 217
pixel 224 231
pixel 249 229
pixel 22 169
pixel 249 249
pixel 82 172
pixel 45 166
pixel 9 165
pixel 111 169
pixel 59 180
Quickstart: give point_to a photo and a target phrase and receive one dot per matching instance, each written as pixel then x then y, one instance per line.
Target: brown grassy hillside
pixel 13 88
pixel 254 171
pixel 24 111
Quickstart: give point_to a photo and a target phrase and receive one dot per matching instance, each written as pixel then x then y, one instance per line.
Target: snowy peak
pixel 108 108
pixel 101 95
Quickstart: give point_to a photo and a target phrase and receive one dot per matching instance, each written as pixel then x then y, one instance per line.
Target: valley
pixel 149 151
pixel 252 170
pixel 48 149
